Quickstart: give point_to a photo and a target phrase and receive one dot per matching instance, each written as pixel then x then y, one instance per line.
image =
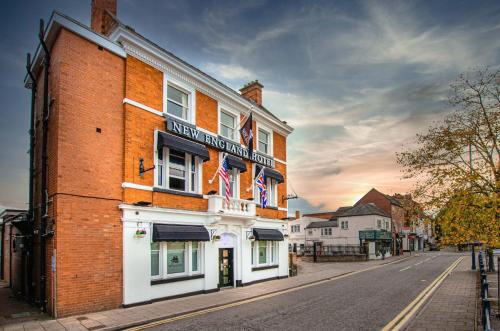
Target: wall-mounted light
pixel 250 236
pixel 141 167
pixel 214 236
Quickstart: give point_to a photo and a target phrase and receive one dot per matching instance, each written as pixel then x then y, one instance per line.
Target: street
pixel 364 301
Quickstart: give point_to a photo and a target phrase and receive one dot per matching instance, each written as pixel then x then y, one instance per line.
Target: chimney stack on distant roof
pixel 99 21
pixel 253 91
pixel 297 214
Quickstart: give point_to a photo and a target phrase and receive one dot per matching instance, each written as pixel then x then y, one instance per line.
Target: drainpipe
pixel 43 190
pixel 31 216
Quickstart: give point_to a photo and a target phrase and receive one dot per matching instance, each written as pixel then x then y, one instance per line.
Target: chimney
pixel 297 214
pixel 99 21
pixel 253 91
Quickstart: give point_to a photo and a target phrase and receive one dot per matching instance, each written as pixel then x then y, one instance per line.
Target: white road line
pixel 419 263
pixel 405 268
pixel 427 259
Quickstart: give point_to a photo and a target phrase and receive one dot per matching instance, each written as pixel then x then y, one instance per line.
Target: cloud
pixel 228 71
pixel 304 206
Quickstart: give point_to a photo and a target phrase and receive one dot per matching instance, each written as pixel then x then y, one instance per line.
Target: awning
pixel 274 174
pixel 268 234
pixel 183 145
pixel 175 232
pixel 236 162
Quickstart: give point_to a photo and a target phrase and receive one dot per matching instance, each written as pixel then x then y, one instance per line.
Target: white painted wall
pixel 137 259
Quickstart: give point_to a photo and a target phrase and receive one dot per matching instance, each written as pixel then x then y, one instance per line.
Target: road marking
pixel 427 259
pixel 250 300
pixel 419 263
pixel 405 268
pixel 409 311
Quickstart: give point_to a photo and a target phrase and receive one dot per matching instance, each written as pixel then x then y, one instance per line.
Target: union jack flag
pixel 224 174
pixel 261 184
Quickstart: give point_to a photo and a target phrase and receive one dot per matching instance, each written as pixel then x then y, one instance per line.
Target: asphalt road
pixel 365 301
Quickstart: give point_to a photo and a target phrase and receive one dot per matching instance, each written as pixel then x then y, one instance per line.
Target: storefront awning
pixel 183 145
pixel 236 162
pixel 271 173
pixel 268 234
pixel 174 232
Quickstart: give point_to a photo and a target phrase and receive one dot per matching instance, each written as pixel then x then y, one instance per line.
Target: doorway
pixel 226 273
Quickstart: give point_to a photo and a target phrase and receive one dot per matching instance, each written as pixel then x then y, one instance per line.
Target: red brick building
pixel 391 206
pixel 127 138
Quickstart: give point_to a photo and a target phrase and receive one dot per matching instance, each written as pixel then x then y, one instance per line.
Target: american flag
pixel 261 184
pixel 224 174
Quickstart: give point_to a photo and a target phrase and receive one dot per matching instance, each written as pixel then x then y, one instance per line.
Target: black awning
pixel 268 234
pixel 236 162
pixel 175 232
pixel 183 145
pixel 274 174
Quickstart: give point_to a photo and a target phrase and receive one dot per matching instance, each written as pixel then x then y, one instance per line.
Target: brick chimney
pixel 297 214
pixel 253 91
pixel 100 21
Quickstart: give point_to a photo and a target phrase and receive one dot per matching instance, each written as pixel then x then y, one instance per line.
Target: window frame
pixel 183 87
pixel 236 176
pixel 272 253
pixel 162 171
pixel 271 188
pixel 222 108
pixel 269 131
pixel 188 258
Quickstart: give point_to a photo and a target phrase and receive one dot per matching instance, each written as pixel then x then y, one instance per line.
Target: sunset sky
pixel 357 80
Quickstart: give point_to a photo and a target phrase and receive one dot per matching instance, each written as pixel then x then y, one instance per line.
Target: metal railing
pixel 333 250
pixel 486 303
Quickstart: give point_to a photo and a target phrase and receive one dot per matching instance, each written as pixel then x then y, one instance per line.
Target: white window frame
pixel 344 225
pixel 271 187
pixel 188 258
pixel 268 130
pixel 236 174
pixel 271 259
pixel 160 262
pixel 379 224
pixel 166 169
pixel 191 92
pixel 230 111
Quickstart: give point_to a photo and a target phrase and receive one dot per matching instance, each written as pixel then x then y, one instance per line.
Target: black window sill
pixel 268 207
pixel 265 267
pixel 187 194
pixel 176 279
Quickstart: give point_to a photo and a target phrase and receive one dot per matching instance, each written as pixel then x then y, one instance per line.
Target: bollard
pixel 486 314
pixel 473 259
pixel 491 261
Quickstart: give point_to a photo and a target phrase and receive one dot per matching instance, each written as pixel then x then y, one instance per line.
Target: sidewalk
pixel 127 317
pixel 453 305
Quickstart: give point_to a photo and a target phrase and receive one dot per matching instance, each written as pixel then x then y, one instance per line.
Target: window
pixel 263 141
pixel 295 228
pixel 177 102
pixel 271 189
pixel 155 259
pixel 227 125
pixel 262 252
pixel 175 259
pixel 379 224
pixel 265 253
pixel 326 231
pixel 344 225
pixel 233 183
pixel 178 171
pixel 387 225
pixel 310 232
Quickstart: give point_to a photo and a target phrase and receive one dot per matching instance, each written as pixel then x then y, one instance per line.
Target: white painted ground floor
pixel 170 253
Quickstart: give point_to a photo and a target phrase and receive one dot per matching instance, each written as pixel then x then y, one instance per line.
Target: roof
pixel 58 20
pixel 322 224
pixel 363 210
pixel 393 200
pixel 329 214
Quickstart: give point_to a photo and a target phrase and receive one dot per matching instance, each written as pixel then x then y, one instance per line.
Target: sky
pixel 356 79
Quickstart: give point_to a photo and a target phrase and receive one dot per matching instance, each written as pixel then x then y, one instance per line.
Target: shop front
pixel 376 243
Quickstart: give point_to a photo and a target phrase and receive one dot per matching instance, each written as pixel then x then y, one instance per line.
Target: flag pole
pixel 210 181
pixel 252 187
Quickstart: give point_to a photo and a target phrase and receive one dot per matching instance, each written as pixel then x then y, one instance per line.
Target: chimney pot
pixel 253 91
pixel 99 21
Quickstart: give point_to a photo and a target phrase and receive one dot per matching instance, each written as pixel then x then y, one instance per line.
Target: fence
pixel 333 250
pixel 486 302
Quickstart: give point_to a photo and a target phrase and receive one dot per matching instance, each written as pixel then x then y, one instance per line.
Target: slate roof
pixel 365 209
pixel 323 224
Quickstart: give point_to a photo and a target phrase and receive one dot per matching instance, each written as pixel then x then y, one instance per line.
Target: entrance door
pixel 226 267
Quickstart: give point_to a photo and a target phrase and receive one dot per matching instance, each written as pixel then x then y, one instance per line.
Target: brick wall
pixel 381 201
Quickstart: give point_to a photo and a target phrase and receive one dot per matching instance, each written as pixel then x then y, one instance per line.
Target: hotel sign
pixel 190 131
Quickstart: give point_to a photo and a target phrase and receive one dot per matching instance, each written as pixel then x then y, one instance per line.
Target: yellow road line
pixel 404 316
pixel 266 296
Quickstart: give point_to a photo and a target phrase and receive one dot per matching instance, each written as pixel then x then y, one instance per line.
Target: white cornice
pixel 158 58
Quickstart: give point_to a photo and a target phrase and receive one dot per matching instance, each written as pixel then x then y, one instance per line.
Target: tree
pixel 457 161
